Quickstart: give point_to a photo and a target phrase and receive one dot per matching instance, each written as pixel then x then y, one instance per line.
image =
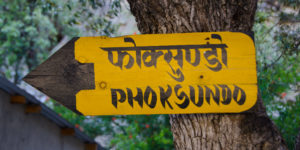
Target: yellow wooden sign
pixel 213 72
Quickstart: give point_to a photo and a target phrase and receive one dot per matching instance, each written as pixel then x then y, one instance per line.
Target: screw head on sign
pixel 102 85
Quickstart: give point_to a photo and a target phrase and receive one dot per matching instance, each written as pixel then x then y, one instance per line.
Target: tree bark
pixel 249 130
pixel 297 142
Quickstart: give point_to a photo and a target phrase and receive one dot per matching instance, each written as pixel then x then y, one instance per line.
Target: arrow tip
pixel 61 76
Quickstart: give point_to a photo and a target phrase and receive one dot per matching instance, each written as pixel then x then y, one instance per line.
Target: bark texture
pixel 250 130
pixel 297 143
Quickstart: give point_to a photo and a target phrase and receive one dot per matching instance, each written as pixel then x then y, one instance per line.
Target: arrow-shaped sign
pixel 211 72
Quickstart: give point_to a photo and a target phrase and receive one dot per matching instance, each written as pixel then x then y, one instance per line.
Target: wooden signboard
pixel 213 72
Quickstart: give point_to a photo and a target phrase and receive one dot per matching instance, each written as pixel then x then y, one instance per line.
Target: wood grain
pixel 61 76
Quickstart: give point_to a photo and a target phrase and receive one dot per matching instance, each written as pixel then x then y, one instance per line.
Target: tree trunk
pixel 249 130
pixel 297 142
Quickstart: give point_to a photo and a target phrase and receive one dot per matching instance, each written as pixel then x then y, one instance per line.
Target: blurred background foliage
pixel 277 40
pixel 31 30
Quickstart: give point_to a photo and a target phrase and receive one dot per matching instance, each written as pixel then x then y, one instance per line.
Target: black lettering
pixel 152 53
pixel 168 56
pixel 114 96
pixel 188 57
pixel 164 96
pixel 181 96
pixel 236 92
pixel 138 97
pixel 216 96
pixel 153 99
pixel 226 94
pixel 200 97
pixel 224 52
pixel 153 58
pixel 178 72
pixel 121 56
pixel 213 53
pixel 213 61
pixel 192 94
pixel 138 51
pixel 179 58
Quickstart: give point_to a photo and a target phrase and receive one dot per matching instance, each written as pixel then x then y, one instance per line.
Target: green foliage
pixel 290 3
pixel 278 64
pixel 30 29
pixel 288 120
pixel 144 132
